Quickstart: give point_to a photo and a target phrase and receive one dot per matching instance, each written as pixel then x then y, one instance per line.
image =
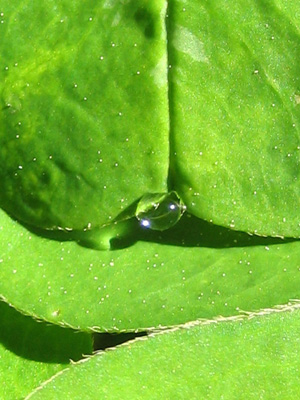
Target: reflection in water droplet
pixel 159 211
pixel 145 223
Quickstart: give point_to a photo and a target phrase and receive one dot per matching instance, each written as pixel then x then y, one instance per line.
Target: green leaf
pixel 239 358
pixel 89 116
pixel 234 112
pixel 31 352
pixel 82 96
pixel 102 107
pixel 167 279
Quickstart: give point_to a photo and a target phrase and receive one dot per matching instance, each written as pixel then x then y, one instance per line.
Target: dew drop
pixel 159 211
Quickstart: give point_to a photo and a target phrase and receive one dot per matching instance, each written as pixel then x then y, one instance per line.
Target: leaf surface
pixel 234 359
pixel 156 279
pixel 83 96
pixel 31 352
pixel 148 284
pixel 234 112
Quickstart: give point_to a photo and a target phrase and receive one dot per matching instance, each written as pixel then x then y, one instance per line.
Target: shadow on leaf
pixel 194 232
pixel 38 341
pixel 189 231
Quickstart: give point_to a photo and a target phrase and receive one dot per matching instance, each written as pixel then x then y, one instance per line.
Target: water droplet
pixel 159 211
pixel 145 223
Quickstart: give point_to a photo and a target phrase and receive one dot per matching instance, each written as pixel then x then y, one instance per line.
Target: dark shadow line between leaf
pixel 189 232
pixel 103 341
pixel 194 232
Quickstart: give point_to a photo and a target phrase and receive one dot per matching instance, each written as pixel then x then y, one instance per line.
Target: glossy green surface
pixel 83 92
pixel 104 105
pixel 234 112
pixel 191 271
pixel 231 360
